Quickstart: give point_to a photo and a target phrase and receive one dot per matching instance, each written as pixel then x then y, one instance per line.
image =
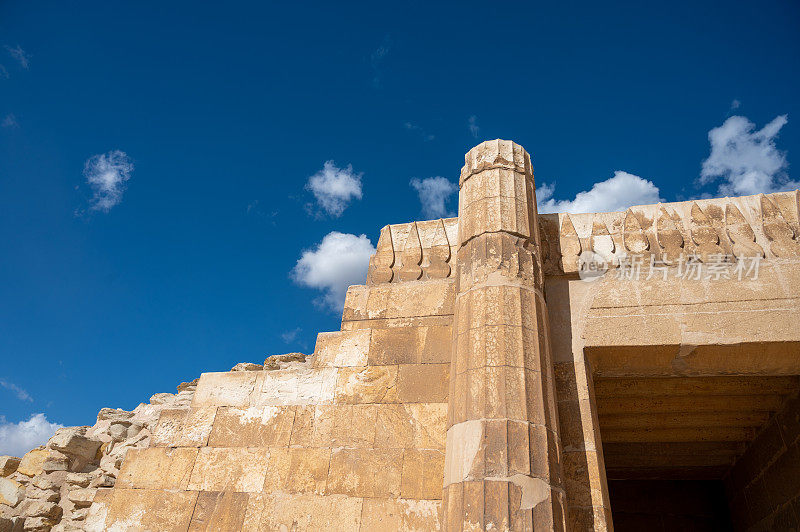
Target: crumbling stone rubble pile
pixel 52 487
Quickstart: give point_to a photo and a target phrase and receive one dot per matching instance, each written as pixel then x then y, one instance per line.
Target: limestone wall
pixel 352 439
pixel 53 486
pixel 763 486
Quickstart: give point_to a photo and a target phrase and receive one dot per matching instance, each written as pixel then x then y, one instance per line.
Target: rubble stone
pixel 8 465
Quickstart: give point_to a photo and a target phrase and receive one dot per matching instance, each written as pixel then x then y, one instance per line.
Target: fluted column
pixel 502 461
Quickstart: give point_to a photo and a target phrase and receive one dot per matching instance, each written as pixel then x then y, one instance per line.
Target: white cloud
pixel 21 394
pixel 334 188
pixel 10 121
pixel 433 194
pixel 614 194
pixel 473 126
pixel 107 174
pixel 290 336
pixel 735 104
pixel 337 262
pixel 16 439
pixel 20 55
pixel 748 161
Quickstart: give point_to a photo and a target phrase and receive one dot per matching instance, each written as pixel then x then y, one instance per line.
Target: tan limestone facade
pixel 502 370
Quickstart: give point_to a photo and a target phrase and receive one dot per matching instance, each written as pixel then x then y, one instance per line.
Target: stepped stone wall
pixel 480 381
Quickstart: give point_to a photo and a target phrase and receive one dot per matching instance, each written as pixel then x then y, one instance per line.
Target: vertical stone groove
pixel 503 453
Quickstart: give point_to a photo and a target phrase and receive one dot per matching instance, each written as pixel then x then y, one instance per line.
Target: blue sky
pixel 163 168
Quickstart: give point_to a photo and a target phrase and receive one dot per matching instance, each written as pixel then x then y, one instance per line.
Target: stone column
pixel 502 461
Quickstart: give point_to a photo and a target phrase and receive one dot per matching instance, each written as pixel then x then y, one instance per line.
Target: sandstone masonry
pixel 503 370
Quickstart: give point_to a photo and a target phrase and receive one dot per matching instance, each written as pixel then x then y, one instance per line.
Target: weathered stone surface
pixel 32 492
pixel 81 497
pixel 41 508
pixel 400 514
pixel 365 472
pixel 219 511
pixel 302 512
pixel 225 389
pixel 286 360
pixel 247 366
pixel 8 465
pixel 298 385
pixel 342 349
pixel 191 385
pixel 265 426
pixel 146 509
pixel 31 463
pixel 372 384
pixel 157 468
pixel 182 427
pixel 74 442
pixel 11 492
pixel 230 469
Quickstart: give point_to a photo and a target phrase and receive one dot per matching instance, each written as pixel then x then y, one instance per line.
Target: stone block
pixel 308 470
pixel 396 345
pixel 31 463
pixel 365 472
pixel 8 465
pixel 373 384
pixel 146 509
pixel 96 516
pixel 11 492
pixel 379 515
pixel 32 492
pixel 417 425
pixel 74 442
pixel 230 469
pixel 40 508
pixel 423 383
pixel 263 426
pixel 219 511
pixel 157 468
pixel 421 298
pixel 295 386
pixel 81 497
pixel 312 426
pixel 225 389
pixel 342 349
pixel 302 512
pixel 183 427
pixel 353 426
pixel 423 474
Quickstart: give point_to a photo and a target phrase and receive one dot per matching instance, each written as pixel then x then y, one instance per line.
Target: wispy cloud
pixel 16 439
pixel 3 72
pixel 472 123
pixel 410 126
pixel 746 160
pixel 377 58
pixel 614 194
pixel 735 104
pixel 21 394
pixel 20 55
pixel 336 263
pixel 107 175
pixel 10 121
pixel 290 336
pixel 434 192
pixel 334 188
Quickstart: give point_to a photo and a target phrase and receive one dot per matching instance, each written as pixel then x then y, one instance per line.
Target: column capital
pixel 496 153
